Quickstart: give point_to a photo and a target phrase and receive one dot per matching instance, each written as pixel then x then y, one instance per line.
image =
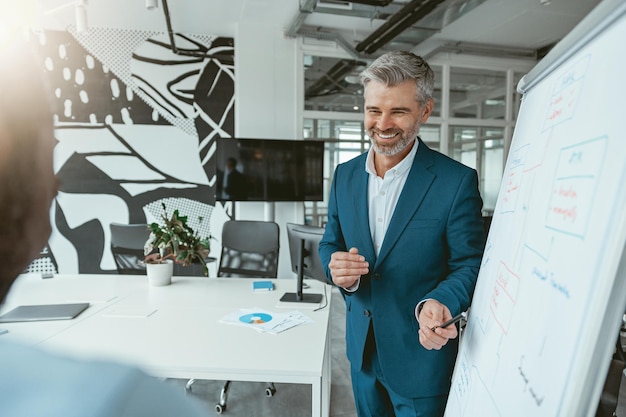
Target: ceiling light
pixel 544 2
pixel 81 16
pixel 152 4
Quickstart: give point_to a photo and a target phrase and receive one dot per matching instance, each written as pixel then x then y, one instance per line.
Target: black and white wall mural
pixel 136 125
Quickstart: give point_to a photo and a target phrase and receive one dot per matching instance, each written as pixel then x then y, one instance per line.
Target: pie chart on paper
pixel 255 318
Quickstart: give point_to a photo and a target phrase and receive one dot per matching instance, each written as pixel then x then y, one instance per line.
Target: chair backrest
pixel 127 242
pixel 249 249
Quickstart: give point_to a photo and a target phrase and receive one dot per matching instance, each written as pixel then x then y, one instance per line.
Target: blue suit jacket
pixel 432 249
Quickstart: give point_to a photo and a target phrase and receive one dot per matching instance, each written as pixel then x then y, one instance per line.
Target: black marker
pixel 453 320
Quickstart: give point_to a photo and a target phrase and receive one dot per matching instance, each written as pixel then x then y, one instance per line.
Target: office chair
pixel 127 242
pixel 249 249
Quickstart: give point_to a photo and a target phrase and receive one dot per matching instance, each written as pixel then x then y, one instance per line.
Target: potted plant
pixel 175 241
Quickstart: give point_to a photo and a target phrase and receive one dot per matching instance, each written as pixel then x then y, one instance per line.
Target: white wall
pixel 267 87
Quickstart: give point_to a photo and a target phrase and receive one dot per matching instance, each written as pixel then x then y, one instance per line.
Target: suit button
pixel 366 313
pixel 376 276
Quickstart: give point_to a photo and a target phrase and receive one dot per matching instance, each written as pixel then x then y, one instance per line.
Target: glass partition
pixel 437 93
pixel 474 128
pixel 431 135
pixel 477 93
pixel 344 140
pixel 481 148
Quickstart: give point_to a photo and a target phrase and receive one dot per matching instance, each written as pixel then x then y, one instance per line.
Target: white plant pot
pixel 160 274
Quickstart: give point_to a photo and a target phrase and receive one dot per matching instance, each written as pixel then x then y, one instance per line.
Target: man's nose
pixel 385 122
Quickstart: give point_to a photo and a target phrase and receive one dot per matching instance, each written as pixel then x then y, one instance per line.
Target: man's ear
pixel 427 109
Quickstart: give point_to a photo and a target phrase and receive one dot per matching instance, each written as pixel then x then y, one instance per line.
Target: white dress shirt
pixel 383 193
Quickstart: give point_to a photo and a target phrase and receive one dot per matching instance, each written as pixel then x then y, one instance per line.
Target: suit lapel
pixel 417 184
pixel 360 205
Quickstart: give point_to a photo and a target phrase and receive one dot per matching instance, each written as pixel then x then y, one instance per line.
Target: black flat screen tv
pixel 269 170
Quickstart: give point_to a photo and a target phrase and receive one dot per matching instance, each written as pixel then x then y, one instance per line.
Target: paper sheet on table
pixel 266 321
pixel 137 312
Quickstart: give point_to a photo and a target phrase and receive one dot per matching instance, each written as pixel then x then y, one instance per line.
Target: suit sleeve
pixel 333 240
pixel 465 239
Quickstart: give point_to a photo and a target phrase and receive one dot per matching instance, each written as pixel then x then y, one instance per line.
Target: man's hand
pixel 346 268
pixel 432 315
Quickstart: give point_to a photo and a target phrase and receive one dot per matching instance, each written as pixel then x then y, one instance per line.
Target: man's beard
pixel 395 148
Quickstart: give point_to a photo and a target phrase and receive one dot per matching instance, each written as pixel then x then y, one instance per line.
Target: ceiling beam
pixel 396 24
pixel 329 82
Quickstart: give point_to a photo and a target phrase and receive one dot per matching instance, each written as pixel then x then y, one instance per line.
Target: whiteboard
pixel 551 290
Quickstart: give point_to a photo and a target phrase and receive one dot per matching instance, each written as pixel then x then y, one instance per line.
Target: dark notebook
pixel 44 312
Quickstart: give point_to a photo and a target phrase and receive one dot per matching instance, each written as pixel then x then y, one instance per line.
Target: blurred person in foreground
pixel 404 241
pixel 34 382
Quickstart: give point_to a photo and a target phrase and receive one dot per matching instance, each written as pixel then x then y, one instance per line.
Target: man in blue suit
pixel 404 242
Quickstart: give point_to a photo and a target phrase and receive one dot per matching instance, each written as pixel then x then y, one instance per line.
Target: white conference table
pixel 175 331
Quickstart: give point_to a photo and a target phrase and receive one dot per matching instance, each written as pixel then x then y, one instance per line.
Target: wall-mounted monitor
pixel 269 170
pixel 305 260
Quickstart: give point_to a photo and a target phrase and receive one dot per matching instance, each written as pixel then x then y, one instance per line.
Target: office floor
pixel 247 399
pixel 621 401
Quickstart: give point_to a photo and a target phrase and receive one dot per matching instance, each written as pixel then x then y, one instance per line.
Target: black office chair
pixel 249 249
pixel 127 243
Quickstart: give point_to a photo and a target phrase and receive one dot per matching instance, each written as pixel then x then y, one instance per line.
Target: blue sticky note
pixel 262 285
